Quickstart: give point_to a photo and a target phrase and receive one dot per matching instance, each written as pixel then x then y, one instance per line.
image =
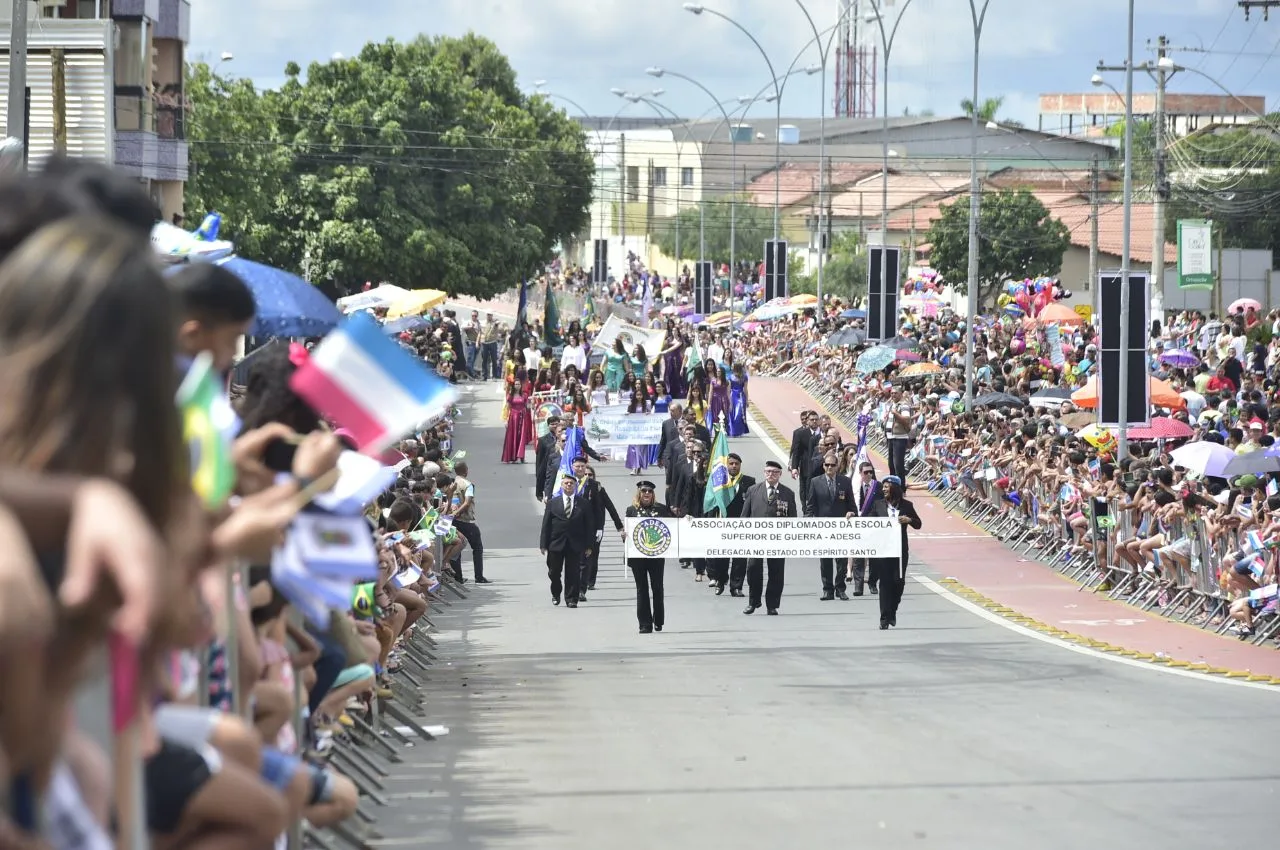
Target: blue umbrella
pixel 287 305
pixel 405 323
pixel 854 314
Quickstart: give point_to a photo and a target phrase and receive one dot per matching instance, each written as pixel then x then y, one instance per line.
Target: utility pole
pixel 1161 189
pixel 16 105
pixel 58 60
pixel 622 200
pixel 1093 240
pixel 1265 5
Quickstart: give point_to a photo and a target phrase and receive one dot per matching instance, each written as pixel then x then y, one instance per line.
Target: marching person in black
pixel 689 491
pixel 568 536
pixel 604 509
pixel 770 499
pixel 731 571
pixel 648 571
pixel 804 441
pixel 866 492
pixel 830 495
pixel 547 446
pixel 892 572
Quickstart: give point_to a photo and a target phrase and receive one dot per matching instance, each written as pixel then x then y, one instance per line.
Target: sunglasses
pixel 828 466
pixel 868 472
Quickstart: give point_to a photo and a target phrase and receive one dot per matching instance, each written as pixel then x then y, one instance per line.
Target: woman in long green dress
pixel 615 366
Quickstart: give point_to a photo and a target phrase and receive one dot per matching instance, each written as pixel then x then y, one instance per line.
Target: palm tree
pixel 987 110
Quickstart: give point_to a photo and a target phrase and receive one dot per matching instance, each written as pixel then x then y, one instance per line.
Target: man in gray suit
pixel 770 499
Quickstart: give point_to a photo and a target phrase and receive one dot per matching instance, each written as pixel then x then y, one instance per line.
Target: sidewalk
pixel 1028 592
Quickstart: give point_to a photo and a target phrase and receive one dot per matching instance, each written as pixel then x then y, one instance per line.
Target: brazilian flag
pixel 208 427
pixel 721 486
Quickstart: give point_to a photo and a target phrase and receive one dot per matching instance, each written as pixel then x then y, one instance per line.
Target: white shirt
pixel 573 355
pixel 715 351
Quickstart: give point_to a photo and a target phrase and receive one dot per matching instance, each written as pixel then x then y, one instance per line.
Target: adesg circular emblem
pixel 651 537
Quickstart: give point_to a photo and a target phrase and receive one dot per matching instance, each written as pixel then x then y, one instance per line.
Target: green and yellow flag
pixel 208 426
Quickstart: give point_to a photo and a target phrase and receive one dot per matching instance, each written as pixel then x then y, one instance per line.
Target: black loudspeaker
pixel 1137 408
pixel 775 270
pixel 882 293
pixel 600 265
pixel 703 282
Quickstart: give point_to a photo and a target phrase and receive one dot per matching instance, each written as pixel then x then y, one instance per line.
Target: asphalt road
pixel 808 730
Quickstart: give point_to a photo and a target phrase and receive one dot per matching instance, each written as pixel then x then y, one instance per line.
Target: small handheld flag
pixel 369 385
pixel 208 426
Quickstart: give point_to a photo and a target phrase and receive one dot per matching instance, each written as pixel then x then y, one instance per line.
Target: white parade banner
pixel 652 339
pixel 612 427
pixel 791 537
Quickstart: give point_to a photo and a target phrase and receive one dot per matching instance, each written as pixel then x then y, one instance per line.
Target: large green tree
pixel 1017 239
pixel 752 228
pixel 420 163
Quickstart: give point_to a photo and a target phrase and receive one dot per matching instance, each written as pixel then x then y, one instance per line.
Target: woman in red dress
pixel 519 423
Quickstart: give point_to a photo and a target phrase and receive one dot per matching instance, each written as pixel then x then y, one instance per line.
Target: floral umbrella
pixel 875 359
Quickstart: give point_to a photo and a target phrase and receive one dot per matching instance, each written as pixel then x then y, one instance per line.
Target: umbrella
pixel 919 370
pixel 1179 358
pixel 1162 395
pixel 285 304
pixel 380 296
pixel 907 355
pixel 1203 458
pixel 407 323
pixel 847 336
pixel 854 314
pixel 1253 463
pixel 1079 419
pixel 804 300
pixel 901 342
pixel 1059 314
pixel 1051 397
pixel 875 359
pixel 695 318
pixel 416 301
pixel 1244 304
pixel 721 319
pixel 998 400
pixel 1161 428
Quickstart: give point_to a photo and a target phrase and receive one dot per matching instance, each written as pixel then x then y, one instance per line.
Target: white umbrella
pixel 1252 463
pixel 380 296
pixel 1203 458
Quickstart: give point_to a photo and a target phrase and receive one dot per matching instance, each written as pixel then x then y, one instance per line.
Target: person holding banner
pixel 891 573
pixel 770 498
pixel 648 572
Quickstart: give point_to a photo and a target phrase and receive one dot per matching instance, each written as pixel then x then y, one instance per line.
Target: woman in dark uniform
pixel 648 571
pixel 891 573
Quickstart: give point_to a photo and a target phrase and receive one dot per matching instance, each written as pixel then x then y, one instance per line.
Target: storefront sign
pixel 793 537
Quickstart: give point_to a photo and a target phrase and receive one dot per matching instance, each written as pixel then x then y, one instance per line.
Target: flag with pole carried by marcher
pixel 572 448
pixel 722 487
pixel 551 319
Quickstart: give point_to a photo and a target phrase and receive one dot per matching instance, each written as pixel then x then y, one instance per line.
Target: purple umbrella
pixel 1179 358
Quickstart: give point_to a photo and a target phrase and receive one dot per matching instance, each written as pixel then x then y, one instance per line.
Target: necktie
pixel 568 508
pixel 773 495
pixel 831 486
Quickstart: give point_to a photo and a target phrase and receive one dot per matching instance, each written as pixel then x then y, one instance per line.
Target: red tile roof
pixel 800 181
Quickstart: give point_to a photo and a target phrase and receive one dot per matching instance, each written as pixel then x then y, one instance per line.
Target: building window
pixel 660 176
pixel 129 71
pixel 686 176
pixel 633 183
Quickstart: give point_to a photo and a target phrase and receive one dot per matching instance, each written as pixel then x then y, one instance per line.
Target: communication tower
pixel 856 59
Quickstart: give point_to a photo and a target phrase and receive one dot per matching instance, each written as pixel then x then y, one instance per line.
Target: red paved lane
pixel 955 548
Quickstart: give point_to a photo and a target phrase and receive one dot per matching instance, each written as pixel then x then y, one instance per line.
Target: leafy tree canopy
pixel 419 163
pixel 1017 239
pixel 752 228
pixel 844 273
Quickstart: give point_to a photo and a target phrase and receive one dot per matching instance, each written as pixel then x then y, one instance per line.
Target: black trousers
pixel 650 608
pixel 898 459
pixel 737 573
pixel 773 589
pixel 718 570
pixel 804 493
pixel 471 532
pixel 699 565
pixel 590 567
pixel 569 563
pixel 489 363
pixel 831 571
pixel 892 577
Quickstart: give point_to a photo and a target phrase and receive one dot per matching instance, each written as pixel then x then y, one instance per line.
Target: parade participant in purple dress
pixel 673 362
pixel 661 404
pixel 718 403
pixel 638 455
pixel 738 402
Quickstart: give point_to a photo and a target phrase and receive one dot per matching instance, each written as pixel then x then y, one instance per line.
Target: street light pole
pixel 1123 436
pixel 975 206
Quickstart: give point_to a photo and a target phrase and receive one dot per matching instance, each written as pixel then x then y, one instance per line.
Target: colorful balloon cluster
pixel 927 281
pixel 1028 297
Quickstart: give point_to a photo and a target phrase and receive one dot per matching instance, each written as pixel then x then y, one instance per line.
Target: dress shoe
pixel 733 592
pixel 893 621
pixel 842 596
pixel 827 596
pixel 582 597
pixel 874 589
pixel 884 625
pixel 772 612
pixel 750 609
pixel 657 628
pixel 646 630
pixel 858 592
pixel 555 600
pixel 591 587
pixel 483 580
pixel 698 577
pixel 571 604
pixel 719 589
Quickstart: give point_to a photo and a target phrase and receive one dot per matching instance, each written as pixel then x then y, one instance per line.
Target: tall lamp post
pixel 698 9
pixel 975 208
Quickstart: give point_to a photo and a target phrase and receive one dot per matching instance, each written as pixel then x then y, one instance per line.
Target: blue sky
pixel 582 48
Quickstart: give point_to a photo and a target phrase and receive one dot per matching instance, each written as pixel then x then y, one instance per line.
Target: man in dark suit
pixel 688 490
pixel 866 493
pixel 804 440
pixel 718 568
pixel 546 444
pixel 831 495
pixel 700 432
pixel 738 564
pixel 769 499
pixel 892 572
pixel 670 433
pixel 568 536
